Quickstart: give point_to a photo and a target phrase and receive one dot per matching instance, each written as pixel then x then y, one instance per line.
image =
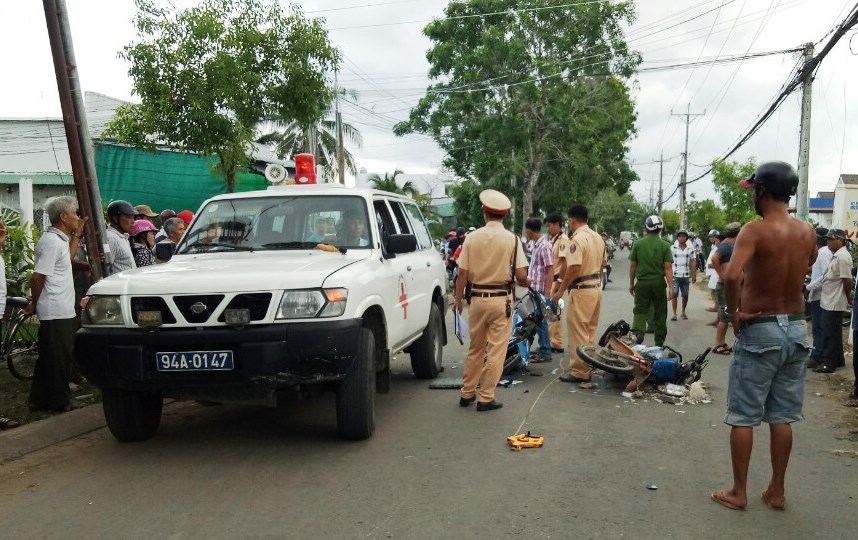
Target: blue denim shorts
pixel 680 287
pixel 767 374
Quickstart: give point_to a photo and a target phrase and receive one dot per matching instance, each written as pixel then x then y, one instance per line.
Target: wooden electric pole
pixel 77 132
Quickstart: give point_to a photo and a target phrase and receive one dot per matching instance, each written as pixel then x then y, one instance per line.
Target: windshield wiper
pixel 201 244
pixel 290 245
pixel 299 245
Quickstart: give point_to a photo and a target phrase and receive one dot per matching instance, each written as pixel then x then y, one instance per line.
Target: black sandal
pixel 8 423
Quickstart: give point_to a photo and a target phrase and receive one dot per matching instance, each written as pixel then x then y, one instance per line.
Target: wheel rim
pixel 608 357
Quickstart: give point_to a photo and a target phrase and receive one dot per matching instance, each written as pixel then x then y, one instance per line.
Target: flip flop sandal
pixel 726 504
pixel 722 349
pixel 685 317
pixel 673 318
pixel 8 423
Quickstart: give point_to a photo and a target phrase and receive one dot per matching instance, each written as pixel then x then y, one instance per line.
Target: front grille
pixel 257 303
pixel 207 302
pixel 151 303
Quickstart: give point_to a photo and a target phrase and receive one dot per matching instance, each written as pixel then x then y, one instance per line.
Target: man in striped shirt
pixel 541 275
pixel 684 268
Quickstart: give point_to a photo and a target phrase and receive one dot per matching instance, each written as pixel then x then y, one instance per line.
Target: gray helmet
pixel 118 208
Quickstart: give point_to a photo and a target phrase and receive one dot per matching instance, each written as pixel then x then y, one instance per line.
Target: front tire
pixel 132 416
pixel 427 352
pixel 606 359
pixel 22 346
pixel 356 393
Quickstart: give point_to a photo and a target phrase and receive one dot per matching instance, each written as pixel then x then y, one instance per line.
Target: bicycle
pixel 20 340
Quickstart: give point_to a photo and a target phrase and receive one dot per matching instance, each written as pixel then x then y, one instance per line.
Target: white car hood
pixel 232 271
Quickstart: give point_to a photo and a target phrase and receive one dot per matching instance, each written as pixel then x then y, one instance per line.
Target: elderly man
pixel 764 282
pixel 174 229
pixel 53 301
pixel 836 298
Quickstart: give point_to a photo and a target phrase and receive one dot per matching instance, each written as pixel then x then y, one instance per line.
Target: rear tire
pixel 356 393
pixel 427 352
pixel 511 363
pixel 132 416
pixel 22 346
pixel 606 359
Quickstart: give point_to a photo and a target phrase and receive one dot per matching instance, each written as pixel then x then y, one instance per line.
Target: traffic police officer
pixel 560 248
pixel 584 264
pixel 491 259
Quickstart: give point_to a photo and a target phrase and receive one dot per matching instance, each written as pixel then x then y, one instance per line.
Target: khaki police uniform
pixel 487 255
pixel 560 248
pixel 586 248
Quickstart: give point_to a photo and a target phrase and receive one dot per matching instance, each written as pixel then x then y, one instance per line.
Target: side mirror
pixel 164 251
pixel 401 243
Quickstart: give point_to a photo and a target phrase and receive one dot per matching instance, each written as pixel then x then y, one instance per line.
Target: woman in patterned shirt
pixel 142 242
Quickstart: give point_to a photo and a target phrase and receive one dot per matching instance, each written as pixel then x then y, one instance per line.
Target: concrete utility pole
pixel 77 132
pixel 687 121
pixel 661 163
pixel 341 155
pixel 804 139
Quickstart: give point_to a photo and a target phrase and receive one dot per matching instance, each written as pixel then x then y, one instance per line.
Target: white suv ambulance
pixel 271 291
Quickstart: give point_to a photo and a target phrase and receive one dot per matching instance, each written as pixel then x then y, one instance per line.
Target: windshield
pixel 269 223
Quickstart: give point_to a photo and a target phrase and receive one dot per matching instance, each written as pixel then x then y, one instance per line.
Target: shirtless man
pixel 767 374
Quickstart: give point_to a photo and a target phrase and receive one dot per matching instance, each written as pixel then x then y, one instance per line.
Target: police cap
pixel 495 202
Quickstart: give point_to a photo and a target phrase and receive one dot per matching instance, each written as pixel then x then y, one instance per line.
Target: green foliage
pixel 612 213
pixel 290 138
pixel 207 75
pixel 738 203
pixel 671 221
pixel 18 254
pixel 388 183
pixel 702 216
pixel 466 197
pixel 520 105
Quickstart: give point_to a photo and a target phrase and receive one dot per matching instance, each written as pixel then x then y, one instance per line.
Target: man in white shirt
pixel 121 216
pixel 836 298
pixel 684 270
pixel 53 301
pixel 814 294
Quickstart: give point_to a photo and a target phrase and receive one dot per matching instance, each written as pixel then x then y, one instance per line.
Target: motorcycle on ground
pixel 619 352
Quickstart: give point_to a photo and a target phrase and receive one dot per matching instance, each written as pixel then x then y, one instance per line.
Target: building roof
pixel 825 194
pixel 39 179
pixel 849 179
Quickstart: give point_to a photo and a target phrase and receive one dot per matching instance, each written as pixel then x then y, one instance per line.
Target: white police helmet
pixel 654 223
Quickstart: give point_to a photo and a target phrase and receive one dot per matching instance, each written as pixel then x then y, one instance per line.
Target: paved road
pixel 434 470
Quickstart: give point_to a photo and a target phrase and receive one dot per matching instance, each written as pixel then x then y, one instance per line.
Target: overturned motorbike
pixel 530 310
pixel 620 353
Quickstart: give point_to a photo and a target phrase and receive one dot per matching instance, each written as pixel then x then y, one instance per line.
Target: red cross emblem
pixel 403 299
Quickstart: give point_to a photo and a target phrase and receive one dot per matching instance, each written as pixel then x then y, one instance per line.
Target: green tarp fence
pixel 162 179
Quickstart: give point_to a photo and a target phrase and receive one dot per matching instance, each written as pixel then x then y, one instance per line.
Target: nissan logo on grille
pixel 198 308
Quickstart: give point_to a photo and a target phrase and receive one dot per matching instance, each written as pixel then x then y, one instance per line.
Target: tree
pixel 207 75
pixel 521 104
pixel 388 183
pixel 292 138
pixel 704 216
pixel 738 203
pixel 671 221
pixel 612 213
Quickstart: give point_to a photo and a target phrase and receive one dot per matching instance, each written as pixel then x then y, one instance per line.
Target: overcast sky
pixel 385 61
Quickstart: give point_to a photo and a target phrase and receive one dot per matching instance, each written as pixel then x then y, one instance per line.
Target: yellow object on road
pixel 520 441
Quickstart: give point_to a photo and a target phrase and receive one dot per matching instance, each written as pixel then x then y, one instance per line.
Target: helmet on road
pixel 118 208
pixel 654 223
pixel 141 226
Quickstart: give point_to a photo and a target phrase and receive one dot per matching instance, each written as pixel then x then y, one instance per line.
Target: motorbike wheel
pixel 607 359
pixel 511 363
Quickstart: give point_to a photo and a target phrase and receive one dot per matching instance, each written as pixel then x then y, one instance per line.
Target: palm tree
pixel 293 138
pixel 388 183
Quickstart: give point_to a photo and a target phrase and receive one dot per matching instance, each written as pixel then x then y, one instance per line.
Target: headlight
pixel 101 310
pixel 310 304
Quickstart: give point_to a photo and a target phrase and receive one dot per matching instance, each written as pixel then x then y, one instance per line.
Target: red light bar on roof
pixel 305 169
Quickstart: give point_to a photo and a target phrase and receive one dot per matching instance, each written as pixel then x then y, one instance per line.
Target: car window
pixel 418 225
pixel 384 220
pixel 401 220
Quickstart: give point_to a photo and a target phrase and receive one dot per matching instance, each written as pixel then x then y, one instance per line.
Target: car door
pixel 395 280
pixel 418 293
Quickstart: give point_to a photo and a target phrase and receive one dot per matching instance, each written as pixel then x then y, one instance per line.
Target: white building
pixel 846 205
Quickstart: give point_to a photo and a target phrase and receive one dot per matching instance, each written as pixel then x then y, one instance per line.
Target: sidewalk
pixel 34 436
